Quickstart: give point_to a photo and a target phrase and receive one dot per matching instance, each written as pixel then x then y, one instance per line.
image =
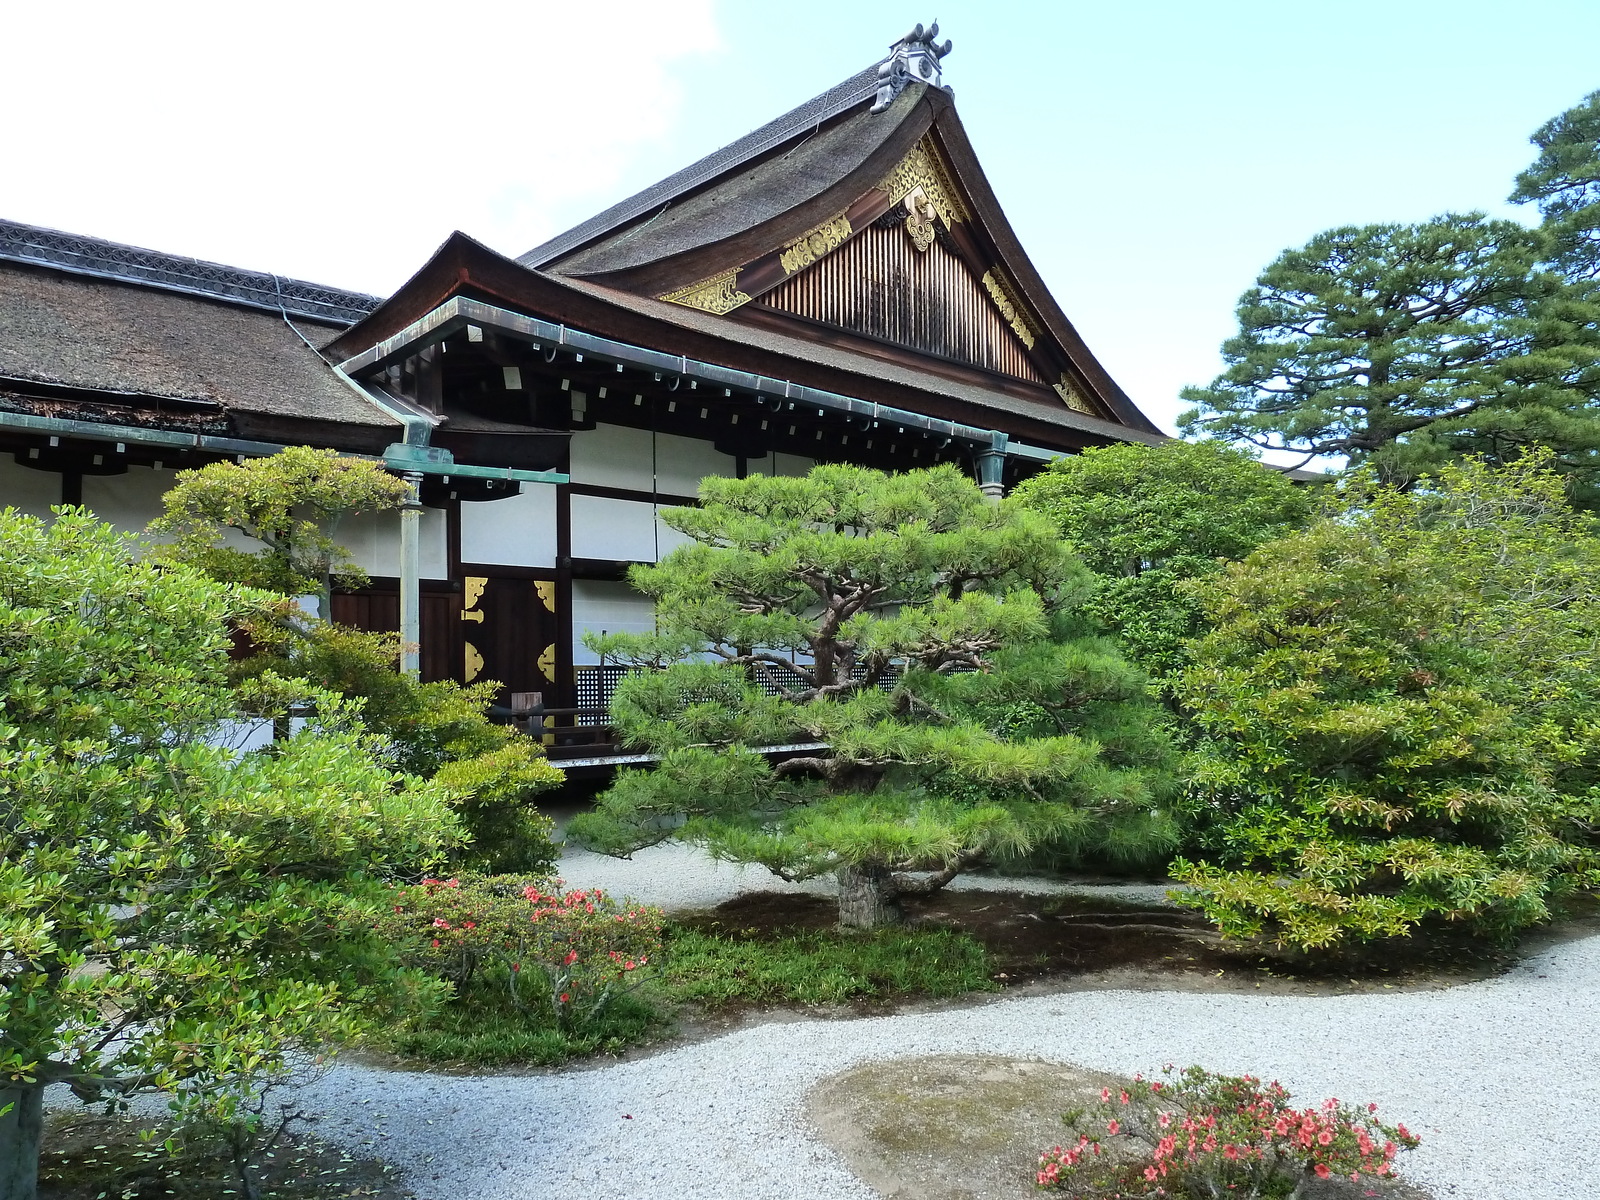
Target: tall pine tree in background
pixel 1564 181
pixel 1408 346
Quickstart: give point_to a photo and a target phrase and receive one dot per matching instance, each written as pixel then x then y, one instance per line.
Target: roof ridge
pixel 841 96
pixel 83 255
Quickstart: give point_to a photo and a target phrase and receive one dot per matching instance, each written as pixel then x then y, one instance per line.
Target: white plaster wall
pixel 27 490
pixel 373 540
pixel 612 456
pixel 613 529
pixel 129 501
pixel 779 464
pixel 606 607
pixel 519 531
pixel 620 457
pixel 681 463
pixel 620 530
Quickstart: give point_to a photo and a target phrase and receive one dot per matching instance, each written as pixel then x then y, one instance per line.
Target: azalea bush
pixel 559 954
pixel 1197 1134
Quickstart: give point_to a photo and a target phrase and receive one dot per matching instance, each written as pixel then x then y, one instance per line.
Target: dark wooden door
pixel 508 634
pixel 377 610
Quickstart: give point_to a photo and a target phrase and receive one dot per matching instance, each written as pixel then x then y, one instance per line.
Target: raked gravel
pixel 1497 1076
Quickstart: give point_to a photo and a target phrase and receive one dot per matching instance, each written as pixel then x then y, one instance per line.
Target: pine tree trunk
pixel 20 1132
pixel 867 896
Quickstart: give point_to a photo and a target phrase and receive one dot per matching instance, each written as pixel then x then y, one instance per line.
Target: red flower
pixel 1322 1171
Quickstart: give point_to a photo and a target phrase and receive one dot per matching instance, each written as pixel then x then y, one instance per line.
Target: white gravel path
pixel 680 877
pixel 1492 1074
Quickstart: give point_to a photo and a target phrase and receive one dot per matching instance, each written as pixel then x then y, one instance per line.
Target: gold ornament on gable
pixel 1003 293
pixel 719 294
pixel 922 168
pixel 1069 393
pixel 919 219
pixel 813 244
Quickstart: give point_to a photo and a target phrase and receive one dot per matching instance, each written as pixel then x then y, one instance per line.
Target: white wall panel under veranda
pixel 131 500
pixel 519 531
pixel 600 606
pixel 614 530
pixel 373 540
pixel 779 465
pixel 682 462
pixel 28 490
pixel 613 456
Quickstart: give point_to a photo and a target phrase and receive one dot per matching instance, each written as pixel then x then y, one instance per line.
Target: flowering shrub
pixel 1202 1135
pixel 565 954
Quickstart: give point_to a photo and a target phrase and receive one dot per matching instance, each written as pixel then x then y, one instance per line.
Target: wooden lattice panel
pixel 879 284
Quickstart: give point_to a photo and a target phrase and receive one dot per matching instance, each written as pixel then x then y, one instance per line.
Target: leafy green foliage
pixel 291 503
pixel 1407 346
pixel 1400 713
pixel 922 642
pixel 1564 181
pixel 173 915
pixel 1146 518
pixel 438 730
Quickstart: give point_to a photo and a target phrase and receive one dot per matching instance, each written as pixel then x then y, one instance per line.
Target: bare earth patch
pixel 970 1126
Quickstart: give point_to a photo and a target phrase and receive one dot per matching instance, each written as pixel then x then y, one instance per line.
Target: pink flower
pixel 1322 1171
pixel 1105 1093
pixel 440 923
pixel 1113 1128
pixel 1325 1138
pixel 1150 1174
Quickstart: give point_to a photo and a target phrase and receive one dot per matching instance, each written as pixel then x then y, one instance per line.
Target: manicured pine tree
pixel 921 648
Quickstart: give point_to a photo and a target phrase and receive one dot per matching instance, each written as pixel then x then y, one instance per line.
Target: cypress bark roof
pixel 140 345
pixel 813 113
pixel 711 236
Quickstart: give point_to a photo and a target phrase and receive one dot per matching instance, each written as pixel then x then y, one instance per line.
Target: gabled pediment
pixel 902 266
pixel 861 219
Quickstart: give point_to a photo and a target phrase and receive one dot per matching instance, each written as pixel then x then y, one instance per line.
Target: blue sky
pixel 1152 156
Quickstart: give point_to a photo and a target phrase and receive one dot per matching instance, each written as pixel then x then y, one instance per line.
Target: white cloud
pixel 339 141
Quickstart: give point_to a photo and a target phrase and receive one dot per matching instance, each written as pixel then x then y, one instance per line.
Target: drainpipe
pixel 413 448
pixel 991 467
pixel 411 576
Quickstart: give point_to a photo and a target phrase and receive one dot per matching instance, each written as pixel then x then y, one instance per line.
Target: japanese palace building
pixel 839 285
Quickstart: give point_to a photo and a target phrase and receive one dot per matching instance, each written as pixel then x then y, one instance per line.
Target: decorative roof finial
pixel 914 57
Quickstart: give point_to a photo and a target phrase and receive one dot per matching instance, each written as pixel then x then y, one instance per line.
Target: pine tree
pixel 1564 181
pixel 917 648
pixel 1408 346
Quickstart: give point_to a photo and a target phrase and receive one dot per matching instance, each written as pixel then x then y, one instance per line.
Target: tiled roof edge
pixel 842 96
pixel 82 255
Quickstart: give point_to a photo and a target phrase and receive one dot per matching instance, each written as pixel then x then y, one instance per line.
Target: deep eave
pixel 465 267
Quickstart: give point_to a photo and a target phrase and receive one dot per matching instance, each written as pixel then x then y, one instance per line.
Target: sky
pixel 1152 155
